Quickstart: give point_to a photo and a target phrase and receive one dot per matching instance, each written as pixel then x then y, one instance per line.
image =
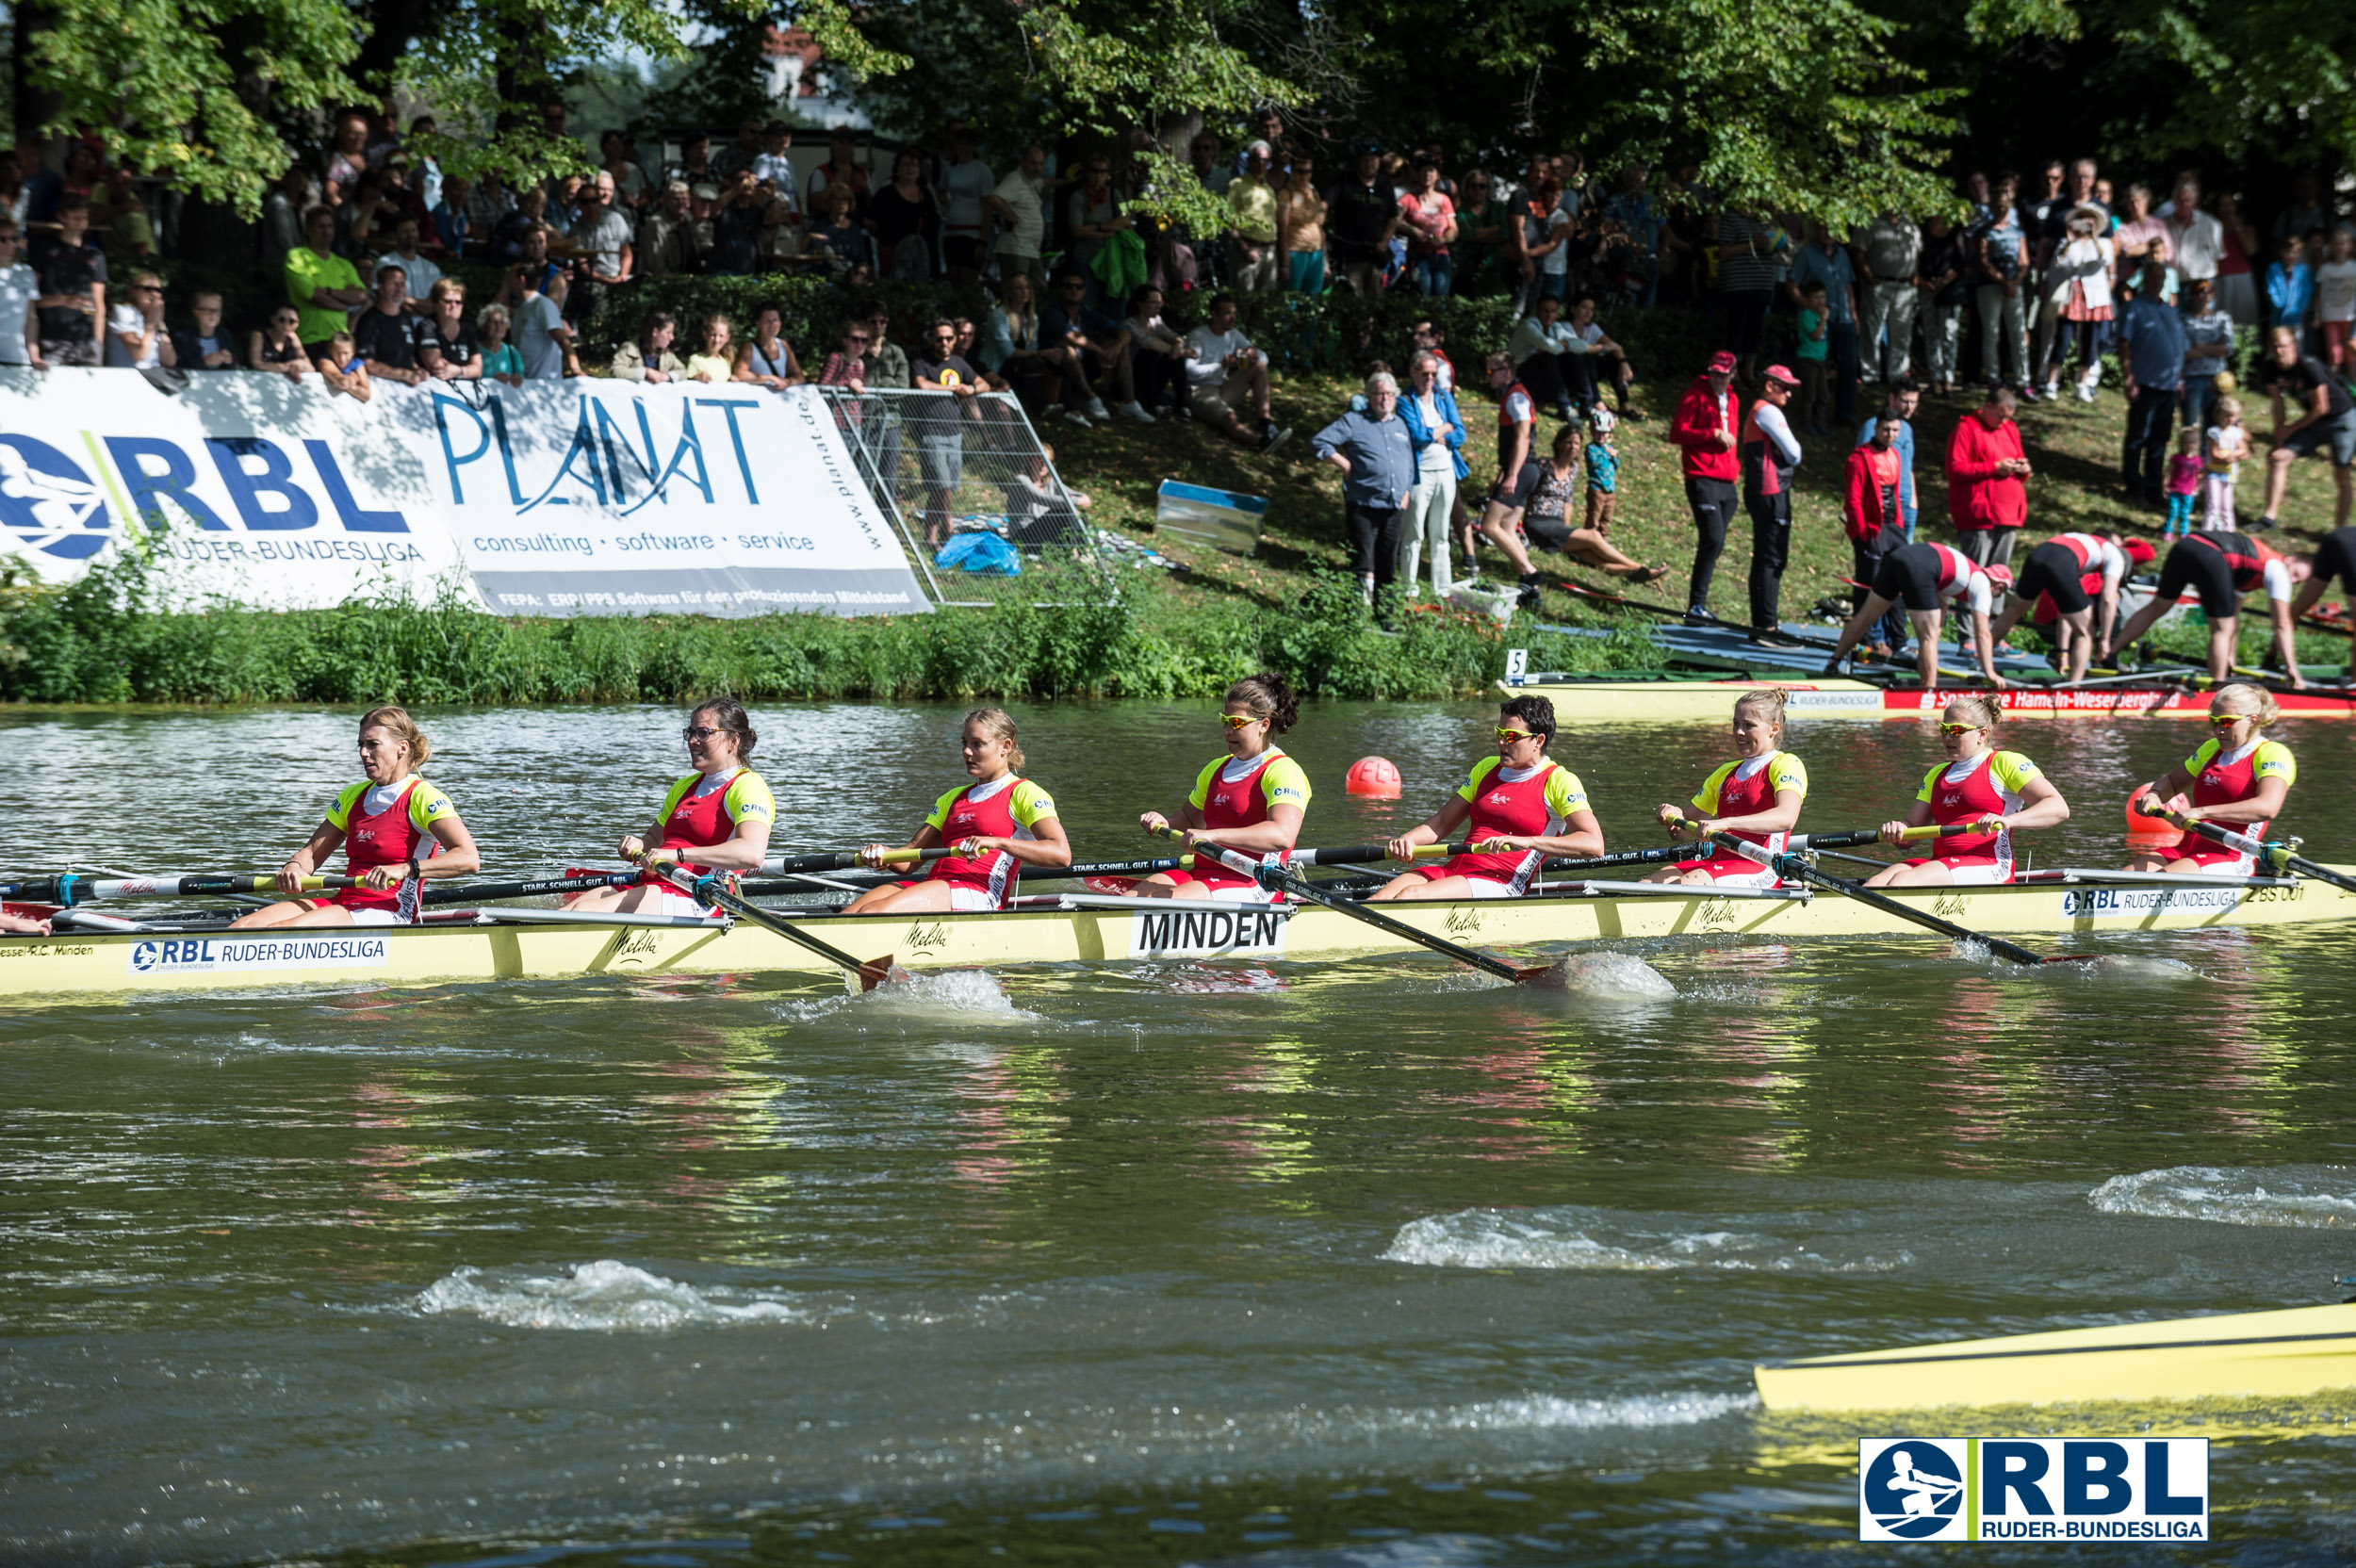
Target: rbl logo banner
pixel 2033 1489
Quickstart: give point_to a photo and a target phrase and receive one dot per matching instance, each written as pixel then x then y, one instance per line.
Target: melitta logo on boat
pixel 227 955
pixel 2084 902
pixel 1206 928
pixel 2033 1489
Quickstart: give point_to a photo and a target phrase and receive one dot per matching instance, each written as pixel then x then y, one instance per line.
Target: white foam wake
pixel 605 1296
pixel 1546 1411
pixel 955 996
pixel 1607 977
pixel 1598 1240
pixel 2306 1196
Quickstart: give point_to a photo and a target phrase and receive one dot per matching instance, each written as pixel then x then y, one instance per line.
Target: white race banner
pixel 586 497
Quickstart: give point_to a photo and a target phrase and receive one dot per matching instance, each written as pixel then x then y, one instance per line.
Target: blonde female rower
pixel 995 825
pixel 1522 806
pixel 395 829
pixel 1756 798
pixel 717 818
pixel 2237 780
pixel 1252 800
pixel 1994 790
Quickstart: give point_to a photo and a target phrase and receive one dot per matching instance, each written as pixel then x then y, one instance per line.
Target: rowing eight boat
pixel 496 944
pixel 1604 700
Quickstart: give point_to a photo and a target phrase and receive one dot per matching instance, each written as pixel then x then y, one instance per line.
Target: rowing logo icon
pixel 1910 1490
pixel 49 502
pixel 144 958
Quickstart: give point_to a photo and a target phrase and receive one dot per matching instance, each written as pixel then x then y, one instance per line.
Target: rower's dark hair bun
pixel 729 714
pixel 1269 698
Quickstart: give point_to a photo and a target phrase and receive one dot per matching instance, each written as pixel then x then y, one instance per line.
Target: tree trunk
pixel 34 107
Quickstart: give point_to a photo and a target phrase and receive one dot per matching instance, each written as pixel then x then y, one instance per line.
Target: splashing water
pixel 1609 978
pixel 1597 1240
pixel 2298 1197
pixel 604 1296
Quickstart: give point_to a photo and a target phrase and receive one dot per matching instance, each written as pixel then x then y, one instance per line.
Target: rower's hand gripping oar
pixel 1276 875
pixel 715 891
pixel 2282 854
pixel 1797 868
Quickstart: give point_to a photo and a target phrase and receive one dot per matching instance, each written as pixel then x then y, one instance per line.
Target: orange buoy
pixel 1374 776
pixel 2141 826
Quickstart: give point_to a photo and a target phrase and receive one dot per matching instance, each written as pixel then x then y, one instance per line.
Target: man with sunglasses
pixel 2221 568
pixel 1099 343
pixel 1516 806
pixel 940 424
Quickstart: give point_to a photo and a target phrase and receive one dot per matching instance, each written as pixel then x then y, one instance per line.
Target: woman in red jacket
pixel 1988 491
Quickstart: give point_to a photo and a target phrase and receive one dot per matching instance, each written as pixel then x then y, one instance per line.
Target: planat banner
pixel 586 497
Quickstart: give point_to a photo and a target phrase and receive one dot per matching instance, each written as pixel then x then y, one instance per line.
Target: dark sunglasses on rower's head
pixel 1949 728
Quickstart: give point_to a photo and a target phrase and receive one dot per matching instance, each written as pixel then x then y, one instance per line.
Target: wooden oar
pixel 1286 880
pixel 67 890
pixel 2279 854
pixel 711 890
pixel 1797 868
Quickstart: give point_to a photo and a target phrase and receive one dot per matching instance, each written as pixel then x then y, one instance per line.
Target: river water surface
pixel 1357 1262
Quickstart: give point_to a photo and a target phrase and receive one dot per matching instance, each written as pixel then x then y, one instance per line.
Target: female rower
pixel 1523 806
pixel 1251 800
pixel 1755 797
pixel 2237 778
pixel 993 826
pixel 394 828
pixel 1994 790
pixel 717 818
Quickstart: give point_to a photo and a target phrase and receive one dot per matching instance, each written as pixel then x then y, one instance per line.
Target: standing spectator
pixel 1099 343
pixel 282 219
pixel 2209 348
pixel 324 288
pixel 1257 260
pixel 449 217
pixel 1905 396
pixel 1430 222
pixel 1987 488
pixel 1300 227
pixel 1271 126
pixel 667 243
pixel 743 153
pixel 1641 220
pixel 1361 217
pixel 1704 431
pixel 843 243
pixel 1095 216
pixel 1436 431
pixel 695 166
pixel 842 167
pixel 20 286
pixel 2196 241
pixel 740 226
pixel 136 337
pixel 1547 220
pixel 1209 168
pixel 383 334
pixel 2223 447
pixel 966 184
pixel 1815 357
pixel 1747 284
pixel 279 346
pixel 1822 261
pixel 601 241
pixel 647 358
pixel 2236 277
pixel 1538 347
pixel 1945 286
pixel 1485 225
pixel 2151 349
pixel 2306 215
pixel 2045 218
pixel 542 341
pixel 72 298
pixel 1771 456
pixel 1378 464
pixel 2078 285
pixel 1018 203
pixel 347 160
pixel 502 360
pixel 1517 424
pixel 2335 299
pixel 416 272
pixel 1225 375
pixel 886 369
pixel 2002 265
pixel 1871 515
pixel 2325 419
pixel 208 346
pixel 940 424
pixel 2290 287
pixel 774 163
pixel 1892 249
pixel 447 348
pixel 2140 237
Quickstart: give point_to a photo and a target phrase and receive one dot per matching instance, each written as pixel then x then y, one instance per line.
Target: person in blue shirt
pixel 1821 261
pixel 2152 344
pixel 1436 431
pixel 1377 458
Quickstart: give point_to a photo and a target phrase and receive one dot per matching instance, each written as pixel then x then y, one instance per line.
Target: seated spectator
pixel 715 360
pixel 529 212
pixel 836 236
pixel 417 274
pixel 502 360
pixel 383 334
pixel 72 298
pixel 366 217
pixel 766 359
pixel 137 338
pixel 456 354
pixel 668 245
pixel 340 365
pixel 1012 348
pixel 1538 347
pixel 1097 343
pixel 647 358
pixel 1603 357
pixel 324 288
pixel 208 346
pixel 1225 374
pixel 1040 511
pixel 278 346
pixel 1160 352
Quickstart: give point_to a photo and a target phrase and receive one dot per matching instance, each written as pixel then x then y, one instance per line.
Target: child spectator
pixel 340 364
pixel 2335 301
pixel 209 345
pixel 1603 471
pixel 2228 443
pixel 1815 371
pixel 2185 471
pixel 2290 287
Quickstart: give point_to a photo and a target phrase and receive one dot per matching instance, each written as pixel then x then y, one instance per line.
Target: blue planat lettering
pixel 451 461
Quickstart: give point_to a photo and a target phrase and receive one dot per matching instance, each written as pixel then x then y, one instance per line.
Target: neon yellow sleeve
pixel 2012 769
pixel 1202 796
pixel 340 813
pixel 675 795
pixel 1706 798
pixel 428 805
pixel 1787 771
pixel 2199 758
pixel 1470 789
pixel 748 796
pixel 1285 783
pixel 1930 782
pixel 1030 804
pixel 2274 760
pixel 938 819
pixel 1566 794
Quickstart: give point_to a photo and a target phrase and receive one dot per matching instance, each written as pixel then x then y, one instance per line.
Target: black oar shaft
pixel 709 889
pixel 1798 869
pixel 2218 833
pixel 1291 881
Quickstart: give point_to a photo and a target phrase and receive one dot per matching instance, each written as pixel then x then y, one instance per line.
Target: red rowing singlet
pixel 387 838
pixel 1989 785
pixel 1540 804
pixel 1242 801
pixel 1006 808
pixel 2220 777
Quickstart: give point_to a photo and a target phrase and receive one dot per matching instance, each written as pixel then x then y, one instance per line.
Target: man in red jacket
pixel 1705 432
pixel 1870 513
pixel 1988 490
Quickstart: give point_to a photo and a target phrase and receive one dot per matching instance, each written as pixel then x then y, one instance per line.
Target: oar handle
pixel 69 890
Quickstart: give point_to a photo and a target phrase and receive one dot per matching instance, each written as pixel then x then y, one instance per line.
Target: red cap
pixel 1722 364
pixel 1999 574
pixel 1776 372
pixel 2140 551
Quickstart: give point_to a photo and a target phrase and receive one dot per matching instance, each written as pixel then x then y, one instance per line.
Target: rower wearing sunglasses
pixel 717 818
pixel 1522 806
pixel 1251 800
pixel 2237 778
pixel 1995 792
